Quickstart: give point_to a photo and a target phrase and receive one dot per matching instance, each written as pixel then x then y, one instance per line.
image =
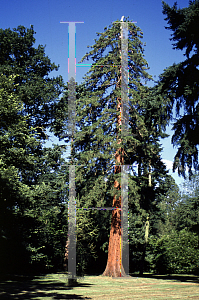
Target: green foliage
pixel 34 179
pixel 95 143
pixel 33 223
pixel 173 247
pixel 96 140
pixel 178 85
pixel 87 235
pixel 36 90
pixel 174 253
pixel 187 211
pixel 166 218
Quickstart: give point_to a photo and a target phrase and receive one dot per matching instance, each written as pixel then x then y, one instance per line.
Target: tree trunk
pixel 65 265
pixel 114 265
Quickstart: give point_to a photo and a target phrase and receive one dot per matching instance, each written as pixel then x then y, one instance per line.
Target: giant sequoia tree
pixel 99 146
pixel 179 84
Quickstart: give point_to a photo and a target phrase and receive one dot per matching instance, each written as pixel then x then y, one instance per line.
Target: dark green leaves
pixel 178 85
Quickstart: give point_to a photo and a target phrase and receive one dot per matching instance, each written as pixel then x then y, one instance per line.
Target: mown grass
pixel 55 286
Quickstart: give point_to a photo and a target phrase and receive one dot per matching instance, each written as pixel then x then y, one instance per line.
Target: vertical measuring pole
pixel 71 77
pixel 124 219
pixel 124 132
pixel 124 79
pixel 72 225
pixel 71 132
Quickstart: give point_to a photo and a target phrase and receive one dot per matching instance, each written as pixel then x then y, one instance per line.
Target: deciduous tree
pixel 30 199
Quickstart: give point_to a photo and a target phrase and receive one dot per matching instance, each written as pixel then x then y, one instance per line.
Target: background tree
pixel 174 247
pixel 174 253
pixel 187 211
pixel 33 184
pixel 13 133
pixel 179 84
pixel 36 89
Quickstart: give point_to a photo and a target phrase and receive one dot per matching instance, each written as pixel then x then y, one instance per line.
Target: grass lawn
pixel 54 286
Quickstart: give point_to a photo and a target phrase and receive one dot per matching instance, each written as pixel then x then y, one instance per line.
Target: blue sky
pixel 45 16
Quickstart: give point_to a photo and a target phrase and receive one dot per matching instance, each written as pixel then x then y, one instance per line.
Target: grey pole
pixel 71 132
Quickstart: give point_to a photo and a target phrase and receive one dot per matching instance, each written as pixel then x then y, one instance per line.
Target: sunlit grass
pixel 55 286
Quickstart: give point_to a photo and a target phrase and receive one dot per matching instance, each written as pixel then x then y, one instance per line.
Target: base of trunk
pixel 114 271
pixel 114 267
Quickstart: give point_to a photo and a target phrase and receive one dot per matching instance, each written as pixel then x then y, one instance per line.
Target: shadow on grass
pixel 19 287
pixel 177 277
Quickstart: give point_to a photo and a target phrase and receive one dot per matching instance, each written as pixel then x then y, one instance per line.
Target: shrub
pixel 176 252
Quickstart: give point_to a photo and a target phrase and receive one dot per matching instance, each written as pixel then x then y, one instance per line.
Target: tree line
pixel 34 179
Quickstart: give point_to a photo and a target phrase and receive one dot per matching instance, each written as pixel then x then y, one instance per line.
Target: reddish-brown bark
pixel 114 265
pixel 65 265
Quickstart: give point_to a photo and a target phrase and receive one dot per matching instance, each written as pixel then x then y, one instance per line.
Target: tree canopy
pixel 32 183
pixel 99 141
pixel 179 84
pixel 34 179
